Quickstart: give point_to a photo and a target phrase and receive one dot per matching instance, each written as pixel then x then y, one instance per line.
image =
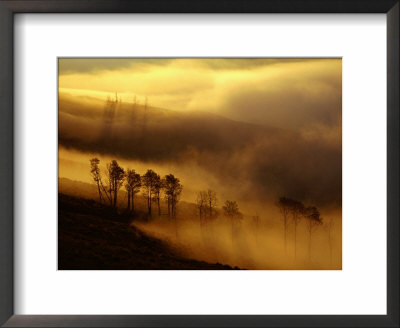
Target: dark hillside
pixel 91 236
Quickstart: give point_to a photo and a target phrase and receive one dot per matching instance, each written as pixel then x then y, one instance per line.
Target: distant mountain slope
pixel 77 188
pixel 92 237
pixel 149 133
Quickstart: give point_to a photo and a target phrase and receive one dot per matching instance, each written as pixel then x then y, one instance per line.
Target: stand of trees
pixel 151 184
pixel 295 210
pixel 113 181
pixel 206 203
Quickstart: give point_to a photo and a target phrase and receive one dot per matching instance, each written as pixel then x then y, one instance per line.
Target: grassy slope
pixel 92 237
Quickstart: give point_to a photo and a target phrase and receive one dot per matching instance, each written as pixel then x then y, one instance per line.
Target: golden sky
pixel 264 91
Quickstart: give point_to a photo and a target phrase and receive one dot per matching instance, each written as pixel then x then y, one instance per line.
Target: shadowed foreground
pixel 91 236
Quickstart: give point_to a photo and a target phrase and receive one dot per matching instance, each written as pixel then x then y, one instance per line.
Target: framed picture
pixel 167 189
pixel 211 164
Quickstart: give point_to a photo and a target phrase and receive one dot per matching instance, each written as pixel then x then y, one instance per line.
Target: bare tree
pixel 95 172
pixel 109 180
pixel 149 181
pixel 206 202
pixel 313 220
pixel 132 186
pixel 211 202
pixel 201 203
pixel 115 177
pixel 231 210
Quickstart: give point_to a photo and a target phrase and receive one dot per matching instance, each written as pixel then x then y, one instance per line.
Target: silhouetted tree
pixel 133 184
pixel 95 172
pixel 211 202
pixel 284 207
pixel 231 210
pixel 128 188
pixel 173 189
pixel 115 177
pixel 202 205
pixel 149 181
pixel 297 209
pixel 158 185
pixel 206 202
pixel 313 220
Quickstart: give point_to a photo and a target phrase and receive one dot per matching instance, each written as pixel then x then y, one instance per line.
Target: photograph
pixel 199 163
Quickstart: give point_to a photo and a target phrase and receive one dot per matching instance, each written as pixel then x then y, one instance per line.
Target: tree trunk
pixel 98 187
pixel 129 200
pixel 133 204
pixel 330 253
pixel 285 228
pixel 232 229
pixel 176 229
pixel 201 217
pixel 149 202
pixel 173 207
pixel 295 240
pixel 111 194
pixel 309 245
pixel 158 204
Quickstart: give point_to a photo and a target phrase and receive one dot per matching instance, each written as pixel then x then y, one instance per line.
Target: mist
pixel 252 245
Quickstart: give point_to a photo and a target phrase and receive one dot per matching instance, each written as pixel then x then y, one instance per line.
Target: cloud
pixel 94 65
pixel 68 66
pixel 286 93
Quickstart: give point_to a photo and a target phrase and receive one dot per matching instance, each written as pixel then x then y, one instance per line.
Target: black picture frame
pixel 7 11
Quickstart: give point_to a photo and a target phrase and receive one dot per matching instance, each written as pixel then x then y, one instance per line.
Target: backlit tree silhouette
pixel 132 186
pixel 115 176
